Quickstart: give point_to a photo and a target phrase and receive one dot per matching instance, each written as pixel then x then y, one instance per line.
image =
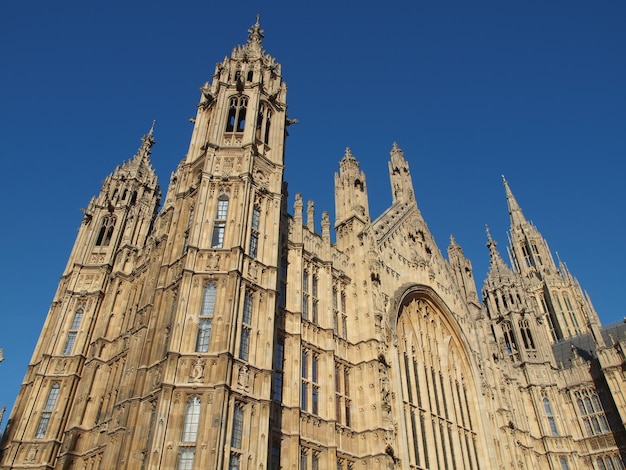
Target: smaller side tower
pixel 351 204
pixel 115 226
pixel 557 293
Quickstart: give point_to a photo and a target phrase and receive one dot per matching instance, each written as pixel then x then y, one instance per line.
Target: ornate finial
pixel 397 155
pixel 348 154
pixel 147 141
pixel 396 150
pixel 491 243
pixel 255 33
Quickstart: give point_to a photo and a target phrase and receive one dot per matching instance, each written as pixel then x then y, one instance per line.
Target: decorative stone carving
pixel 243 378
pixel 32 454
pixel 197 371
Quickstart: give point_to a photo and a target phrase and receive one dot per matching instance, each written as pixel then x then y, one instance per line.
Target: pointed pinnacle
pixel 348 154
pixel 515 212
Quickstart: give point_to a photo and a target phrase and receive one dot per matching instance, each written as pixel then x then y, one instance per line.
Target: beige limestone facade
pixel 221 331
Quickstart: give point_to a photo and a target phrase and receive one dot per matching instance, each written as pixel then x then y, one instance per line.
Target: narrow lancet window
pixel 219 224
pixel 206 318
pixel 237 114
pixel 106 231
pixel 73 331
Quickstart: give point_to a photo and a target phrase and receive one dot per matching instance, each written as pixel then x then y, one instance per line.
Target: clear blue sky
pixel 470 90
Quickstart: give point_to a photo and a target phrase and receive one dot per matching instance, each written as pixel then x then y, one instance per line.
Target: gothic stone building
pixel 222 331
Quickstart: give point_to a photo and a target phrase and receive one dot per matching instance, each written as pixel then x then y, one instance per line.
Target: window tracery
pixel 263 123
pixel 106 231
pixel 205 319
pixel 436 395
pixel 219 224
pixel 237 107
pixel 591 412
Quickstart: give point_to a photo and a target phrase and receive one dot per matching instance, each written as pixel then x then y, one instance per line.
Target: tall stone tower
pixel 219 331
pixel 157 319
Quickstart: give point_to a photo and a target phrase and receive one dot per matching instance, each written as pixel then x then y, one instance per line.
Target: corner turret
pixel 351 203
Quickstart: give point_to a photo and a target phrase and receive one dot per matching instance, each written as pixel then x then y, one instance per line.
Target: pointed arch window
pixel 335 313
pixel 189 435
pixel 236 437
pixel 73 332
pixel 106 231
pixel 551 421
pixel 592 413
pixel 527 337
pixel 309 396
pixel 436 395
pixel 610 462
pixel 237 113
pixel 277 375
pixel 206 318
pixel 509 338
pixel 46 414
pixel 527 255
pixel 314 298
pixel 246 326
pixel 342 394
pixel 254 233
pixel 219 224
pixel 572 313
pixel 192 419
pixel 536 254
pixel 53 395
pixel 305 295
pixel 344 316
pixel 188 230
pixel 263 123
pixel 237 426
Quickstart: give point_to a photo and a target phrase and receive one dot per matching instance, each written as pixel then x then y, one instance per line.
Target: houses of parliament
pixel 220 328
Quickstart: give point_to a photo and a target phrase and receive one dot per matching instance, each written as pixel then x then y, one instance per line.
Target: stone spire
pixel 515 212
pixel 253 46
pixel 400 176
pixel 145 149
pixel 498 270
